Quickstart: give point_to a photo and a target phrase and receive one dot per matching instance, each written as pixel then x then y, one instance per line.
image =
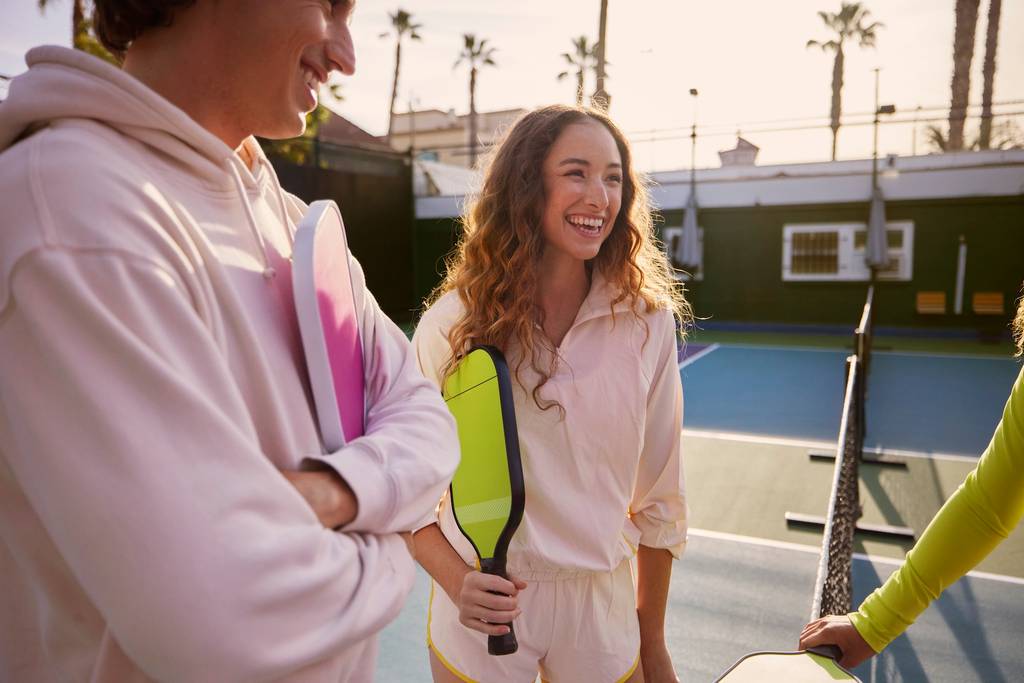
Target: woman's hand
pixel 656 663
pixel 481 610
pixel 837 630
pixel 329 495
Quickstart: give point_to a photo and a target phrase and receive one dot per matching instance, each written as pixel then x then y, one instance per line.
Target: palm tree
pixel 848 24
pixel 476 55
pixel 77 18
pixel 82 37
pixel 582 60
pixel 601 98
pixel 988 73
pixel 963 52
pixel 401 22
pixel 1004 135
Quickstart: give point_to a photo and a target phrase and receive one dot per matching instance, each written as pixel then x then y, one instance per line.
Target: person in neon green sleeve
pixel 975 519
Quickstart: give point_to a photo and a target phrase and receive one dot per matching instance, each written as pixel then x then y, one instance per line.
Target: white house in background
pixel 434 179
pixel 744 154
pixel 444 136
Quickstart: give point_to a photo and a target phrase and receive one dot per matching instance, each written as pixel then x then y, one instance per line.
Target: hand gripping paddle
pixel 814 665
pixel 487 492
pixel 329 324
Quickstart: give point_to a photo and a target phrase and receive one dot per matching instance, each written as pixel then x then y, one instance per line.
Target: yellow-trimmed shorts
pixel 580 626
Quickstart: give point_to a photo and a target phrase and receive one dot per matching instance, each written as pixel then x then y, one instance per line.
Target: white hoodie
pixel 151 388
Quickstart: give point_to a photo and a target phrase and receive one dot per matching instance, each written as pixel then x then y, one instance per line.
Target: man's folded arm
pixel 403 464
pixel 132 442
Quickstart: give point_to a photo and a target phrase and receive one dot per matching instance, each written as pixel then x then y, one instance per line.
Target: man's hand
pixel 327 493
pixel 837 630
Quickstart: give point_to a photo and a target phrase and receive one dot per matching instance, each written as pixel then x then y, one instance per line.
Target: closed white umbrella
pixel 876 252
pixel 687 253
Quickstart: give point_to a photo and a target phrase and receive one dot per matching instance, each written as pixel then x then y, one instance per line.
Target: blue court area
pixel 916 402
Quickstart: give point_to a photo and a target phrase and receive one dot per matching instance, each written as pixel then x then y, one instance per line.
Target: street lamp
pixel 687 251
pixel 879 110
pixel 693 145
pixel 876 252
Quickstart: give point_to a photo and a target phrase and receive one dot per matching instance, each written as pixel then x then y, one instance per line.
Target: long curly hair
pixel 495 268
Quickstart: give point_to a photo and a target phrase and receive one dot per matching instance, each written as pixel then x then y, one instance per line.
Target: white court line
pixel 763 347
pixel 823 445
pixel 955 356
pixel 799 547
pixel 849 351
pixel 700 354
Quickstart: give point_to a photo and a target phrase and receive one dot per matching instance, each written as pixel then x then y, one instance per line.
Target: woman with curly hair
pixel 982 513
pixel 560 270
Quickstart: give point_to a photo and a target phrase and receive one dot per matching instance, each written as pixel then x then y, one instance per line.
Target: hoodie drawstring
pixel 280 198
pixel 268 270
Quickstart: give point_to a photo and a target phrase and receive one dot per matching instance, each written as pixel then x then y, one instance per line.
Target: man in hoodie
pixel 155 424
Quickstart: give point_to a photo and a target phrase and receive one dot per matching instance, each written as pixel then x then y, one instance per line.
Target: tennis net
pixel 833 589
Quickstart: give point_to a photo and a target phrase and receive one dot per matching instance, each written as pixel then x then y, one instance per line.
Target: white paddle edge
pixel 318 365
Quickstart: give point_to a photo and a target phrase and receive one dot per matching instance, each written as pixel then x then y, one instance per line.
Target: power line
pixel 845 121
pixel 791 129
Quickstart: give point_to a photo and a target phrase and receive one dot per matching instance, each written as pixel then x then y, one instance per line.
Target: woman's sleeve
pixel 431 348
pixel 975 519
pixel 658 507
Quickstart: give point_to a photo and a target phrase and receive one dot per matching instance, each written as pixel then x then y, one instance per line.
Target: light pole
pixel 879 110
pixel 876 248
pixel 693 146
pixel 687 252
pixel 413 103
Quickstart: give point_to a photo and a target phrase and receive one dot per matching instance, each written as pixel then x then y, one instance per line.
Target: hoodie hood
pixel 71 84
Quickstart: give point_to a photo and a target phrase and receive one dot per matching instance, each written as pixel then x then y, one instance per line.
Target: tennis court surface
pixel 746 581
pixel 919 402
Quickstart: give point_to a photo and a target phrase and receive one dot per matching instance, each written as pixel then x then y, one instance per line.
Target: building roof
pixel 340 131
pixel 429 120
pixel 434 179
pixel 992 173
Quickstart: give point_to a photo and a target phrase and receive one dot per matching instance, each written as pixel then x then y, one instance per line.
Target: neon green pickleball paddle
pixel 815 665
pixel 487 492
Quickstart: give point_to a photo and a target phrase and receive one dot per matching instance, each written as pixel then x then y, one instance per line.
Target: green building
pixel 784 245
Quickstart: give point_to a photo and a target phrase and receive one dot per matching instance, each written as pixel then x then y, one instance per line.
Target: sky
pixel 747 58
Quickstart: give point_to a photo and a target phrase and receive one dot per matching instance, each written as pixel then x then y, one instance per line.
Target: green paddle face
pixel 487 490
pixel 793 667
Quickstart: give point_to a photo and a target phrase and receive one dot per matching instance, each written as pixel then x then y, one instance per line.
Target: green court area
pixel 762 480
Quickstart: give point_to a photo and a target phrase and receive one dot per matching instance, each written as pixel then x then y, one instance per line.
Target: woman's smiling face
pixel 583 190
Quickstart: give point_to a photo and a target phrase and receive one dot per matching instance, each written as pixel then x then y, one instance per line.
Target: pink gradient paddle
pixel 329 324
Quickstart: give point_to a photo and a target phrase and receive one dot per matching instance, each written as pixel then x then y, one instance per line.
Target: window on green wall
pixel 835 252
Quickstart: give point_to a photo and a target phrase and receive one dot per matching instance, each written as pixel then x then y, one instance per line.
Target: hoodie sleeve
pixel 125 430
pixel 658 507
pixel 400 468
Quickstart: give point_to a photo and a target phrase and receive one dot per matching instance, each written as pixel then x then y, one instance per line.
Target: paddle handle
pixel 505 644
pixel 830 651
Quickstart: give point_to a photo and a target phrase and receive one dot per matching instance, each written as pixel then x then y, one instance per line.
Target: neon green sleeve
pixel 975 519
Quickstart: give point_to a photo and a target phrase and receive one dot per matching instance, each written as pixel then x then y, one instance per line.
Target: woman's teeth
pixel 589 226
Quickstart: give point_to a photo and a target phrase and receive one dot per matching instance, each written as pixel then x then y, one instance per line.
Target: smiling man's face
pixel 279 53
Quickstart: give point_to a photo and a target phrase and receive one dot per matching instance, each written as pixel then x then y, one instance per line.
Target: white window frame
pixel 851 265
